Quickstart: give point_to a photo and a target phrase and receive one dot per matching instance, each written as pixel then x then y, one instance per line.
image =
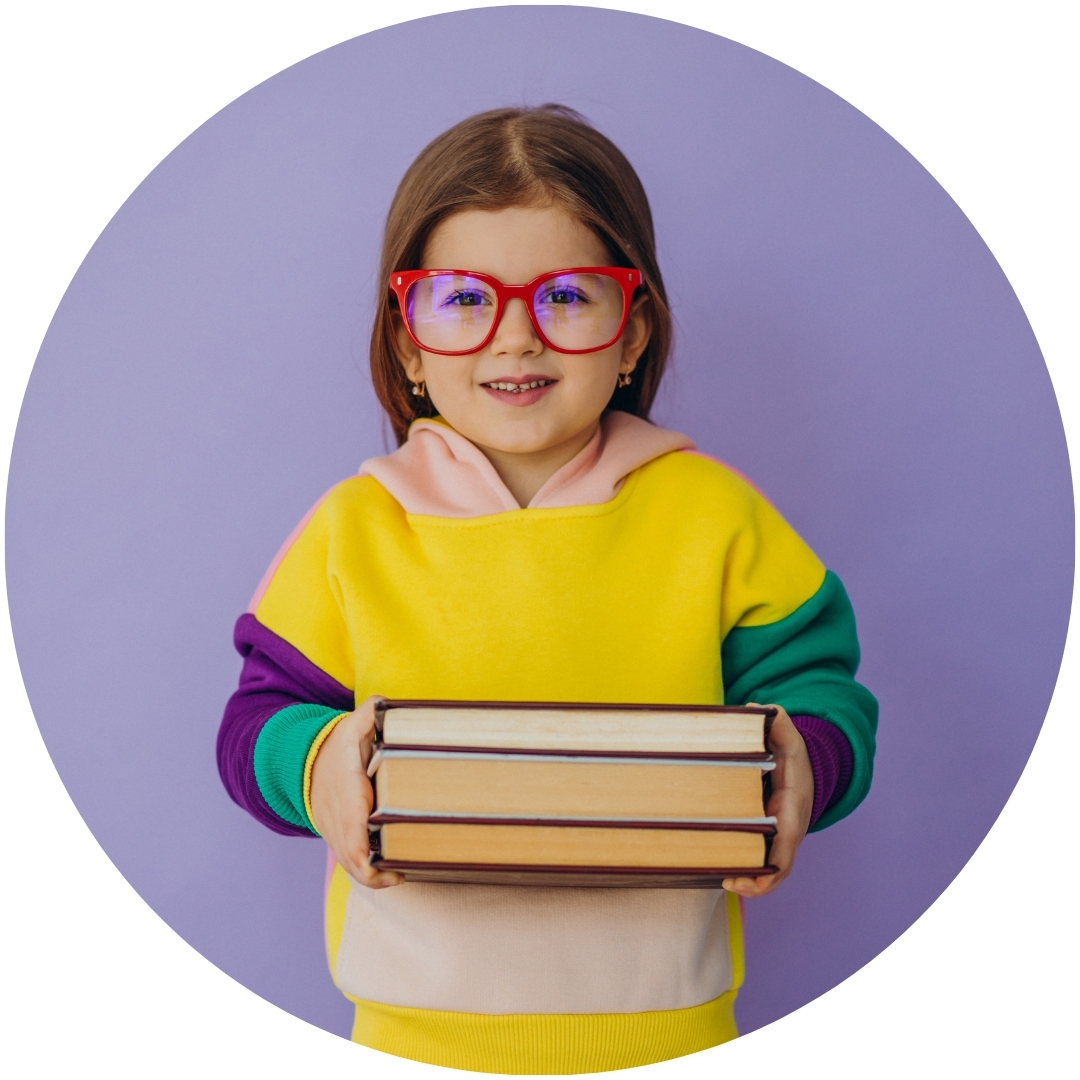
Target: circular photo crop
pixel 838 334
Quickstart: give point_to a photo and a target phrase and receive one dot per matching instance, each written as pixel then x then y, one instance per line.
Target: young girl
pixel 534 538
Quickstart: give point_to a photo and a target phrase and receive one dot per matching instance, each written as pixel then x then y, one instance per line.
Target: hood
pixel 440 473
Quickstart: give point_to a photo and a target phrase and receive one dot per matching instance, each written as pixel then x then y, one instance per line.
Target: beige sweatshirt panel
pixel 492 949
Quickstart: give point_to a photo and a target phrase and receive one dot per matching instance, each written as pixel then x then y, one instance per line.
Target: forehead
pixel 514 244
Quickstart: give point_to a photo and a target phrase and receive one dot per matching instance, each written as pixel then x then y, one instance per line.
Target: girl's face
pixel 516 245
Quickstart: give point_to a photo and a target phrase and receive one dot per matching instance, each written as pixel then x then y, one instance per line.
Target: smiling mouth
pixel 518 388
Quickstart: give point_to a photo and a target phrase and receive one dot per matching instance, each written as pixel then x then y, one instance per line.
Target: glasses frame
pixel 625 276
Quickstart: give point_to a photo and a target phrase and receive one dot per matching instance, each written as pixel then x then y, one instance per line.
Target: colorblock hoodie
pixel 641 571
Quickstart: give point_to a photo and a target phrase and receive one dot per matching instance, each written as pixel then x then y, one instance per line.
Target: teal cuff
pixel 281 753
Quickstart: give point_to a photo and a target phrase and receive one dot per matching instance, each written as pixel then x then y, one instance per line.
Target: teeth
pixel 518 388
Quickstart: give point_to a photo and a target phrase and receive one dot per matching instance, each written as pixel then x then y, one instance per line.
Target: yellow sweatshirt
pixel 629 599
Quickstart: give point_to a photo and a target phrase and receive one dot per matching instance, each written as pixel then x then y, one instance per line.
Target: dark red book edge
pixel 662 755
pixel 380 818
pixel 609 877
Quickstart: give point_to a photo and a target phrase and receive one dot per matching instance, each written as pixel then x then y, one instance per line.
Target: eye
pixel 565 294
pixel 466 298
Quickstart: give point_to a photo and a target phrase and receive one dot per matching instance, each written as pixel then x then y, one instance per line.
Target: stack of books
pixel 567 794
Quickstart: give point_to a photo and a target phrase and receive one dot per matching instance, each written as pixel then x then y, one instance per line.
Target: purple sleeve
pixel 274 676
pixel 830 758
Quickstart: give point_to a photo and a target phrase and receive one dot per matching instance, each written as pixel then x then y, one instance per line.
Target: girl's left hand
pixel 791 803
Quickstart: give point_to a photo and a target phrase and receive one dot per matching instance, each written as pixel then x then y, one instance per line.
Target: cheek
pixel 449 375
pixel 593 374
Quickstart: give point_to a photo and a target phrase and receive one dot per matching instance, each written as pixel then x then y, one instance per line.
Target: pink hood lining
pixel 439 473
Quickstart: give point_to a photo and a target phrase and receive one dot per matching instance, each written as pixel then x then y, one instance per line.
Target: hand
pixel 791 803
pixel 342 797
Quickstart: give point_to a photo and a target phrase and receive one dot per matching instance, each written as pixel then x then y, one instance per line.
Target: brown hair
pixel 519 157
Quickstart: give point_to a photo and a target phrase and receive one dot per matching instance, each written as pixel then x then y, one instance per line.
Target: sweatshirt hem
pixel 543 1043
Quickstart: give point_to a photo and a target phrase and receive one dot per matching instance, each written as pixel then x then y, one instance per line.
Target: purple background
pixel 844 337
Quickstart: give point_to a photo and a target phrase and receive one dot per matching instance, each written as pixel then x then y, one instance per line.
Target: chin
pixel 526 441
pixel 521 446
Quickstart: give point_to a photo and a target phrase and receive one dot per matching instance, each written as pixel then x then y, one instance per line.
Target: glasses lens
pixel 450 312
pixel 579 311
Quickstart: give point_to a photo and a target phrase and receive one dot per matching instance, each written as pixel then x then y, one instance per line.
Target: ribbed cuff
pixel 281 759
pixel 830 758
pixel 309 763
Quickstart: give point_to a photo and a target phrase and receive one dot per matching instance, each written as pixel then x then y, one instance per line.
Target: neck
pixel 525 474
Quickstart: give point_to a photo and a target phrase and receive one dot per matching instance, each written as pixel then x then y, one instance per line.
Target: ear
pixel 639 327
pixel 407 352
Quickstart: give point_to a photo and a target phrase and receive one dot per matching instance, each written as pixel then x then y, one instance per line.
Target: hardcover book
pixel 569 794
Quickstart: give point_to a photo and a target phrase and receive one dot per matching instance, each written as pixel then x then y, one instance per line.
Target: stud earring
pixel 419 389
pixel 624 380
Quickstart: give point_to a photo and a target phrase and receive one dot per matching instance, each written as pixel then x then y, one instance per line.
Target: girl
pixel 534 537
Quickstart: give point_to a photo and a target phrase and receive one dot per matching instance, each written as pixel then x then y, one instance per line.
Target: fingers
pixel 784 737
pixel 782 851
pixel 380 879
pixel 791 802
pixel 783 734
pixel 751 887
pixel 781 855
pixel 365 728
pixel 365 874
pixel 359 868
pixel 365 714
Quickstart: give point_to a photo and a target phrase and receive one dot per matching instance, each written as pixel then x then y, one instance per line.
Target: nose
pixel 515 334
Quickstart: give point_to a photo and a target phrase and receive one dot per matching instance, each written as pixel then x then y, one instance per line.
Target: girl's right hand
pixel 342 796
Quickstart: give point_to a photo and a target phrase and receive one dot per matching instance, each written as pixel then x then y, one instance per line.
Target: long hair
pixel 519 157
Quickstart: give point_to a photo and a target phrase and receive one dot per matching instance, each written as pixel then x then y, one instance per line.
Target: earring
pixel 624 380
pixel 419 389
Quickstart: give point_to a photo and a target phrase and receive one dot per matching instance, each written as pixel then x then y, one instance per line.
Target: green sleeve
pixel 807 663
pixel 281 752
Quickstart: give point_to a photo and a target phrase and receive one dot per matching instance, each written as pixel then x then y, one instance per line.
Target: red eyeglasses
pixel 453 312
